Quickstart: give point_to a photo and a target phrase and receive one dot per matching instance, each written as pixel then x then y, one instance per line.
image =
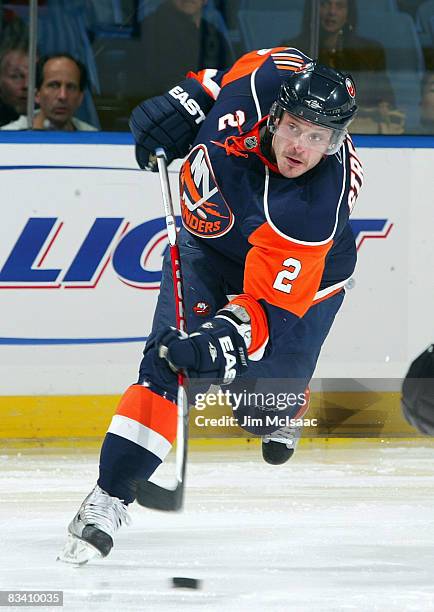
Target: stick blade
pixel 151 495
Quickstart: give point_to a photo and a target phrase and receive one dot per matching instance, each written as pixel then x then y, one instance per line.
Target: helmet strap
pixel 265 143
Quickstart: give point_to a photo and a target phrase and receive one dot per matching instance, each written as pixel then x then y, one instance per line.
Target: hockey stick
pixel 150 494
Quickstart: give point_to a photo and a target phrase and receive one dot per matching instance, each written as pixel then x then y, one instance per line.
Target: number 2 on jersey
pixel 281 282
pixel 234 120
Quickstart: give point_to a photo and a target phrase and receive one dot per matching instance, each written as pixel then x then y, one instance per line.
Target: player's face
pixel 14 79
pixel 59 95
pixel 299 145
pixel 333 15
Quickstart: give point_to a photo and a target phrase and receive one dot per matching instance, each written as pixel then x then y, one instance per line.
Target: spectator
pixel 173 40
pixel 13 30
pixel 427 104
pixel 176 39
pixel 14 69
pixel 342 48
pixel 60 85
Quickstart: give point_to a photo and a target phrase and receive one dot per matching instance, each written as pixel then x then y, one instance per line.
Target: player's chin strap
pixel 232 146
pixel 257 141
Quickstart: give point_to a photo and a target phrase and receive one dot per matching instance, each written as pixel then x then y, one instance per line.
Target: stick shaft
pixel 150 494
pixel 173 245
pixel 175 259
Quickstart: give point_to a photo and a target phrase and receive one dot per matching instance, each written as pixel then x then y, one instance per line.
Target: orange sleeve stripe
pixel 150 409
pixel 200 76
pixel 258 320
pixel 289 56
pixel 329 295
pixel 291 68
pixel 247 64
pixel 267 277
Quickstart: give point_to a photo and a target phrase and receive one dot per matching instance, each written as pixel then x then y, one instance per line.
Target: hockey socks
pixel 139 438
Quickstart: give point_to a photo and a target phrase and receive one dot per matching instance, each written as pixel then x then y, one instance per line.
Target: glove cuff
pixel 238 317
pixel 250 320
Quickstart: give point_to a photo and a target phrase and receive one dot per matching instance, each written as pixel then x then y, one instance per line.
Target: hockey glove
pixel 215 351
pixel 170 121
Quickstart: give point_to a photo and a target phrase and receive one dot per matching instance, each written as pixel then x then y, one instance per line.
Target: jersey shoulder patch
pixel 205 212
pixel 288 60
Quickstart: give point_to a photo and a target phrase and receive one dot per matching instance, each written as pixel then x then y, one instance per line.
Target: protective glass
pixel 309 136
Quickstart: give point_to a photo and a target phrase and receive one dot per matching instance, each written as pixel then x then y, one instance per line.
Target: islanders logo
pixel 202 309
pixel 204 210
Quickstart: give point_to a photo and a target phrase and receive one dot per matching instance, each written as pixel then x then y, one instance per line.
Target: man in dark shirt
pixel 176 38
pixel 173 40
pixel 14 67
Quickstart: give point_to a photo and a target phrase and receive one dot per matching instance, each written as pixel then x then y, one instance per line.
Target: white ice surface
pixel 334 529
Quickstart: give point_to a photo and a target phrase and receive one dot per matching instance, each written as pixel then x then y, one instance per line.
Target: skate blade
pixel 78 552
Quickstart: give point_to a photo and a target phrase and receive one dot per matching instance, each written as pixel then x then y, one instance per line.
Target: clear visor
pixel 308 135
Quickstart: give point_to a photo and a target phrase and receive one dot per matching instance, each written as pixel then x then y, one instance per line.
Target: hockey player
pixel 266 194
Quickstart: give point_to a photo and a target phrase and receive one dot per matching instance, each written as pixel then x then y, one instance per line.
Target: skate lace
pixel 105 512
pixel 285 435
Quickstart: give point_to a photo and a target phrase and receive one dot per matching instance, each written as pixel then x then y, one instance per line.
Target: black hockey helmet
pixel 320 95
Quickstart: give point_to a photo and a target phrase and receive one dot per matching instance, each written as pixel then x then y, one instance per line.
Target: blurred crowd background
pixel 91 61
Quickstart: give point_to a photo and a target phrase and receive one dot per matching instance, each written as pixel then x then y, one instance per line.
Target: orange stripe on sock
pixel 150 409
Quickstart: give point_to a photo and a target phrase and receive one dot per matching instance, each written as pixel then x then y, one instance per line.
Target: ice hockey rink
pixel 342 526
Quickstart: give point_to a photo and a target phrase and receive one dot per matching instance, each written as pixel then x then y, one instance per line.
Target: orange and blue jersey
pixel 289 239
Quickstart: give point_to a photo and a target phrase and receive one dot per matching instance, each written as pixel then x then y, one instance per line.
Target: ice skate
pixel 90 533
pixel 279 446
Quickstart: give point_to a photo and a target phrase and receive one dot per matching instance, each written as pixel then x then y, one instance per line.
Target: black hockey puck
pixel 179 582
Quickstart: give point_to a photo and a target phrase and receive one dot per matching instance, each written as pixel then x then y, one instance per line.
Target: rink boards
pixel 82 237
pixel 83 420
